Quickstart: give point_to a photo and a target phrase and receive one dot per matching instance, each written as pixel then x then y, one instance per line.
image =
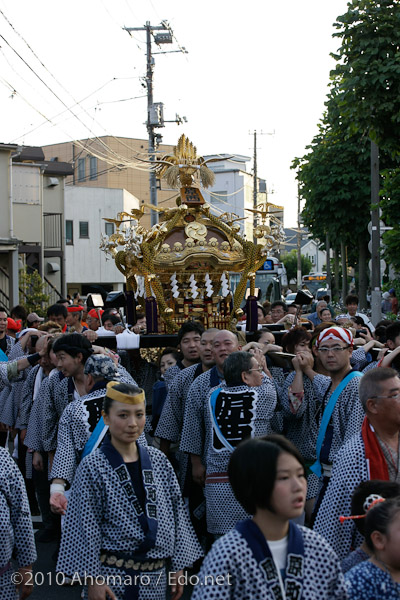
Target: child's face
pixel 167 361
pixel 289 493
pixel 391 543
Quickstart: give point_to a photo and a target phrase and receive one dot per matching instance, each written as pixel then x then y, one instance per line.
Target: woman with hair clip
pixel 379 577
pixel 360 502
pixel 269 556
pixel 127 533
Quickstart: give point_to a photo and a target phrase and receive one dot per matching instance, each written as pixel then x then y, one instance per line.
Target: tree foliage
pixel 334 180
pixel 289 259
pixel 367 74
pixel 32 295
pixel 367 80
pixel 363 105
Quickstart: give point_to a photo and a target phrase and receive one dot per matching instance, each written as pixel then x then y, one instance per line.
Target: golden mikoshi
pixel 183 262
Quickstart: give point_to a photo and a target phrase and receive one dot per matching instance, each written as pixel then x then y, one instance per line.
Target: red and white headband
pixel 335 333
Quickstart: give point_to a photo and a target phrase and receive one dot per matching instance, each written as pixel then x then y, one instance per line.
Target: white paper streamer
pixel 224 285
pixel 193 286
pixel 174 285
pixel 209 288
pixel 140 291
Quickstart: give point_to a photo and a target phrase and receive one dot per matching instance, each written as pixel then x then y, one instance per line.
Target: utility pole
pixel 155 116
pixel 298 241
pixel 328 264
pixel 255 180
pixel 375 238
pixel 255 185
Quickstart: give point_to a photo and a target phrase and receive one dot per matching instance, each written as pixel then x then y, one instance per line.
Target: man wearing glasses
pixel 373 453
pixel 340 414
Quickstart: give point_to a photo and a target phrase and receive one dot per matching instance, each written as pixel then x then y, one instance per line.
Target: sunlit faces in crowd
pixel 334 354
pixel 67 364
pixel 125 421
pixel 386 404
pixel 224 343
pixel 206 347
pixel 325 315
pixel 253 377
pixel 190 345
pixel 278 311
pixel 296 340
pixel 169 357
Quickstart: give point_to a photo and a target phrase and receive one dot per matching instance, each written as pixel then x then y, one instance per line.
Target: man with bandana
pixel 340 413
pixel 74 319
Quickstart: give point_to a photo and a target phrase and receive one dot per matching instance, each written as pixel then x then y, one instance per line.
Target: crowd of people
pixel 219 466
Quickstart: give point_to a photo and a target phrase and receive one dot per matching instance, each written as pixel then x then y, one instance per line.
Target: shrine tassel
pixel 151 315
pixel 251 314
pixel 130 307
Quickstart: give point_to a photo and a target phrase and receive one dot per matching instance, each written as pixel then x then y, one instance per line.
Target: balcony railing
pixel 53 230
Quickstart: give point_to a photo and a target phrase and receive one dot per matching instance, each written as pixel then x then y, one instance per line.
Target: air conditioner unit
pixel 53 267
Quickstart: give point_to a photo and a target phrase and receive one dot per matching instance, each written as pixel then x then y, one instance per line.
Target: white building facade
pixel 233 190
pixel 87 269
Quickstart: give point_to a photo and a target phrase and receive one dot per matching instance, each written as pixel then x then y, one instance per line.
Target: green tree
pixel 334 180
pixel 367 79
pixel 390 205
pixel 367 74
pixel 31 292
pixel 289 259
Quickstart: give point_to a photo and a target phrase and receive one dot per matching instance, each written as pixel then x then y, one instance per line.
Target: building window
pixel 81 169
pixel 69 232
pixel 83 229
pixel 109 228
pixel 219 200
pixel 93 168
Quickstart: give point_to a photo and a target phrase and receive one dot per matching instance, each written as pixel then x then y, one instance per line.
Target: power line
pixel 55 79
pixel 155 117
pixel 78 103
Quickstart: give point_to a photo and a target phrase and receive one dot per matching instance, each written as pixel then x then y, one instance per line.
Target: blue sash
pixel 3 356
pixel 293 580
pixel 326 417
pixel 148 520
pixel 96 438
pixel 220 435
pixel 100 429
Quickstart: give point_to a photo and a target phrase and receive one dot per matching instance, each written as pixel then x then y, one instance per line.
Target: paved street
pixel 46 587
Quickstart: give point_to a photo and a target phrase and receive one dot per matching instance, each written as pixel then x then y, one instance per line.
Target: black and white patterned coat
pixel 301 428
pixel 348 414
pixel 33 438
pixel 223 510
pixel 171 420
pixel 16 533
pixel 193 431
pixel 75 427
pixel 101 517
pixel 349 470
pixel 231 555
pixel 27 395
